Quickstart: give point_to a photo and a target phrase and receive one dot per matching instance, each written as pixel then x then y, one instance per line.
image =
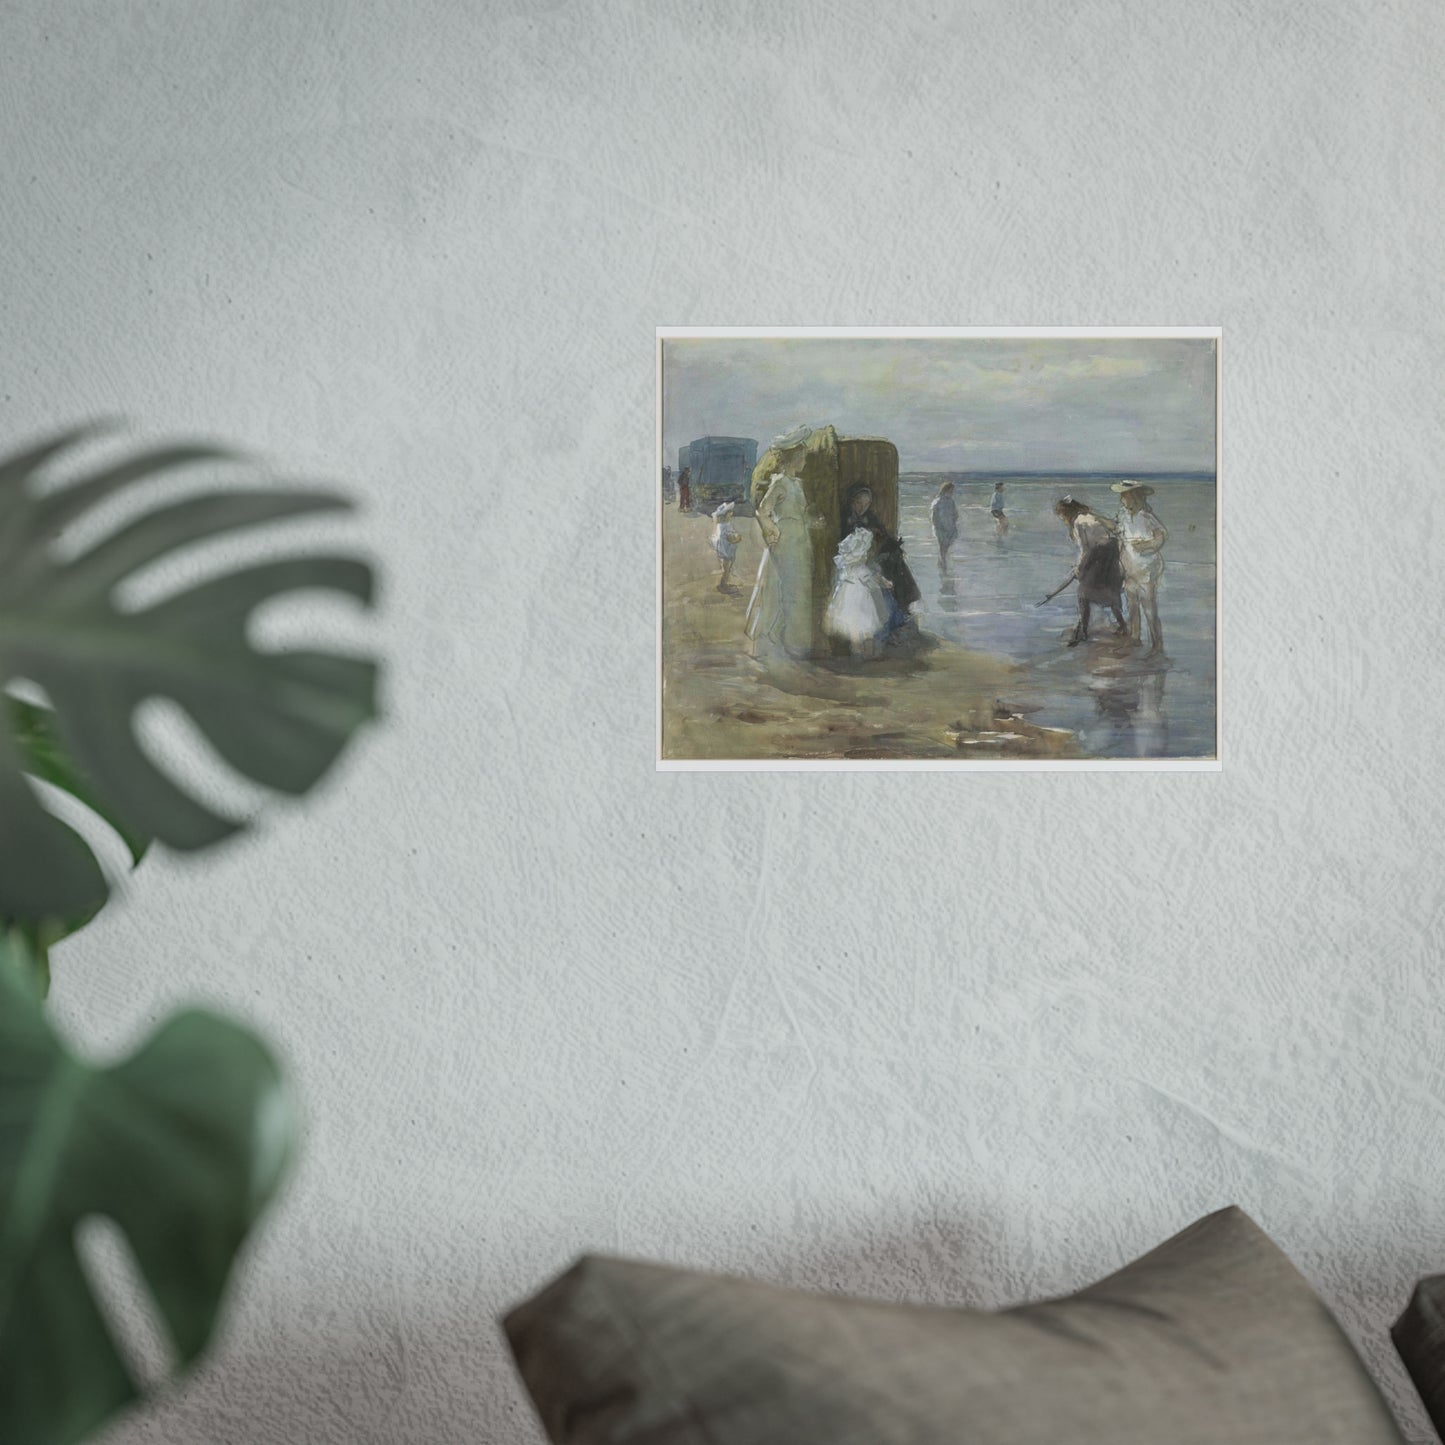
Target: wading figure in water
pixel 1141 536
pixel 943 513
pixel 1097 571
pixel 902 589
pixel 995 507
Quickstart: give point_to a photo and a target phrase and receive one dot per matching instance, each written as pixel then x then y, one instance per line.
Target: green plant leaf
pixel 35 732
pixel 280 718
pixel 43 757
pixel 26 956
pixel 182 1145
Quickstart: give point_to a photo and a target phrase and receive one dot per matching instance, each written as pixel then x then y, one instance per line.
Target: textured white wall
pixel 919 1036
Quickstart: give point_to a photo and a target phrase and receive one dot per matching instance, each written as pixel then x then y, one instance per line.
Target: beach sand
pixel 926 698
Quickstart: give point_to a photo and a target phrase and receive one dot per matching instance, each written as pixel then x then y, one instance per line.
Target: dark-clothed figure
pixel 1098 570
pixel 684 490
pixel 887 552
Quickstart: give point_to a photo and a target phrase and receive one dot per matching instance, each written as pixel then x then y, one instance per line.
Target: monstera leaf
pixel 181 1144
pixel 38 739
pixel 280 718
pixel 34 731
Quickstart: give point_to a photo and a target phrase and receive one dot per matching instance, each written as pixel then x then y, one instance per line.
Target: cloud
pixel 1086 404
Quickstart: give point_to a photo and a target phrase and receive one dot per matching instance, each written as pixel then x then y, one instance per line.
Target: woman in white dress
pixel 780 614
pixel 858 609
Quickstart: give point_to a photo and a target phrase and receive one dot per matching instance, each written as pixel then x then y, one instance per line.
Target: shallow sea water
pixel 1118 703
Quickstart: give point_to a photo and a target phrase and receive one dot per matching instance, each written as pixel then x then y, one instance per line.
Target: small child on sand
pixel 725 541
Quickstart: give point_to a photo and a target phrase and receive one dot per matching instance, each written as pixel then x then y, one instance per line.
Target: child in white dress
pixel 858 610
pixel 725 539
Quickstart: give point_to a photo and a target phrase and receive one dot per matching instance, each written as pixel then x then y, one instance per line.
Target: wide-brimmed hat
pixel 726 510
pixel 1137 489
pixel 794 438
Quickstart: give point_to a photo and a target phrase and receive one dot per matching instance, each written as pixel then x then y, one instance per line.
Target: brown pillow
pixel 1419 1336
pixel 1213 1337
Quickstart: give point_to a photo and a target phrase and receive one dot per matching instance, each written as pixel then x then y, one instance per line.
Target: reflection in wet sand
pixel 947 590
pixel 1128 695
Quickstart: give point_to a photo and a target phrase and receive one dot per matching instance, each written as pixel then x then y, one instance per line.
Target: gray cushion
pixel 1419 1336
pixel 1212 1337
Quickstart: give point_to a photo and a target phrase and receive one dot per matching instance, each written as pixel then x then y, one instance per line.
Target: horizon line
pixel 1056 472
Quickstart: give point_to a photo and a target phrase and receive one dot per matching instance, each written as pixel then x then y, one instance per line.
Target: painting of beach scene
pixel 938 548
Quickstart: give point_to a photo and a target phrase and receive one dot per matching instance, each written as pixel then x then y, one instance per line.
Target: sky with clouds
pixel 957 403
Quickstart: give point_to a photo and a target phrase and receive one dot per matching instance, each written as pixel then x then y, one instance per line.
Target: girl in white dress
pixel 858 610
pixel 1141 535
pixel 725 539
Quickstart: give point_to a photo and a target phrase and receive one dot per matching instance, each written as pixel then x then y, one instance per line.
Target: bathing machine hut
pixel 721 469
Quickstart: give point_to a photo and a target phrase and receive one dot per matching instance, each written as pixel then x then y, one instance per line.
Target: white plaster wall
pixel 964 1038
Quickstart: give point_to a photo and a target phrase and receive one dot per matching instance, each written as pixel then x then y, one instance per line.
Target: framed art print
pixel 938 548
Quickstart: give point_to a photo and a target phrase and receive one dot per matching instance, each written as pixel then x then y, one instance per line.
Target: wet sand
pixel 924 698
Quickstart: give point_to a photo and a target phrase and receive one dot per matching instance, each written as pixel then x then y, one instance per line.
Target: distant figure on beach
pixel 943 513
pixel 684 490
pixel 1000 521
pixel 1141 536
pixel 780 611
pixel 903 590
pixel 1097 570
pixel 725 539
pixel 859 610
